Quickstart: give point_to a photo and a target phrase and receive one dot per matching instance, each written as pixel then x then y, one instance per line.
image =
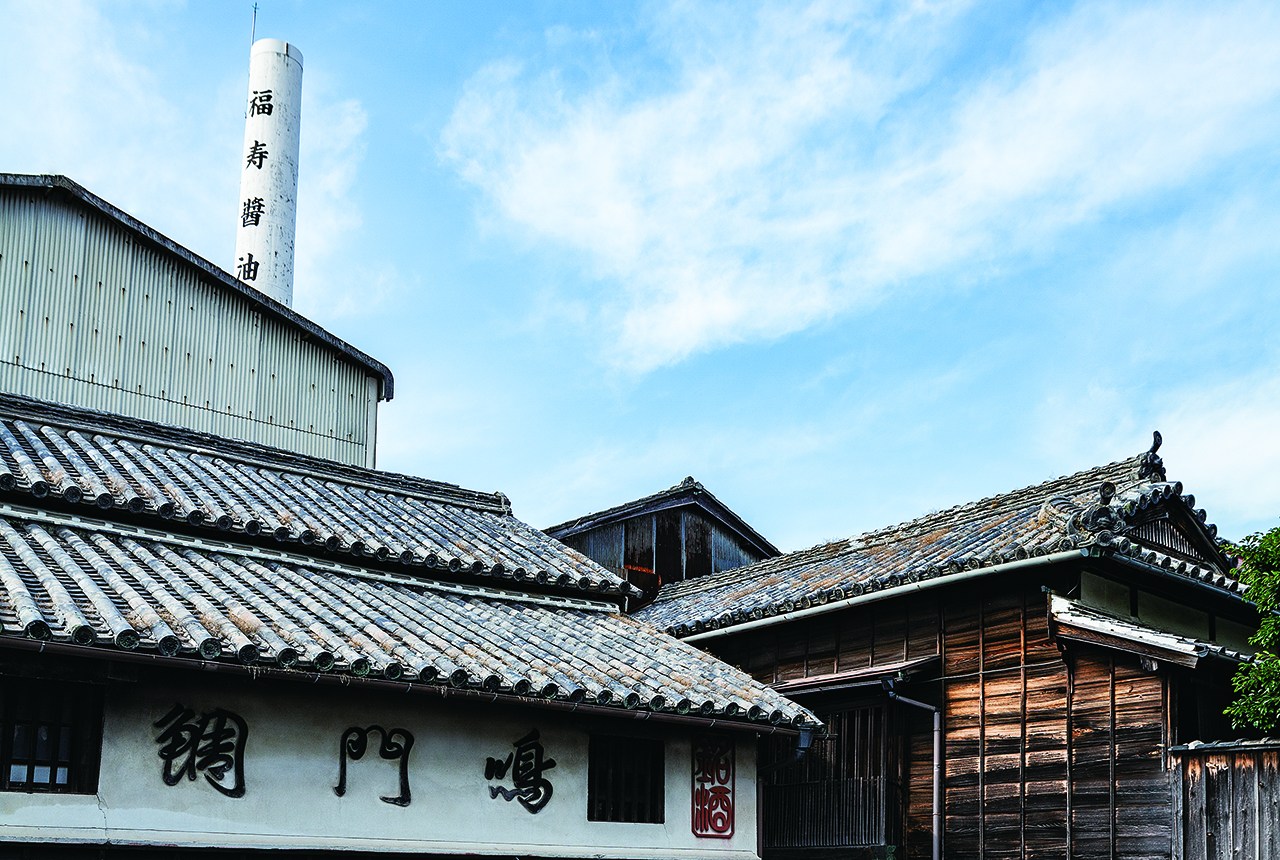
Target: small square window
pixel 50 736
pixel 626 780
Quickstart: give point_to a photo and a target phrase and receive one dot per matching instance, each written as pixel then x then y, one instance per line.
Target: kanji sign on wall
pixel 713 786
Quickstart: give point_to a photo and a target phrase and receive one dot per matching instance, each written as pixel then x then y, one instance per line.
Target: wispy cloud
pixel 332 280
pixel 788 164
pixel 88 93
pixel 70 76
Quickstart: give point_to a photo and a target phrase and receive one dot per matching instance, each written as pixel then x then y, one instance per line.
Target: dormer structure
pixel 679 534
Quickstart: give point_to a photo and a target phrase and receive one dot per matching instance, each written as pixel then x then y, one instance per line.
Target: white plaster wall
pixel 291 768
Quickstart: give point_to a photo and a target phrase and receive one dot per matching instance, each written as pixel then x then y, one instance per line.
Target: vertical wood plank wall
pixel 1006 725
pixel 1227 803
pixel 1046 755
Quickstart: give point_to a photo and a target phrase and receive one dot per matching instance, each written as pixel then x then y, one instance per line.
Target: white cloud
pixel 1221 443
pixel 794 166
pixel 81 99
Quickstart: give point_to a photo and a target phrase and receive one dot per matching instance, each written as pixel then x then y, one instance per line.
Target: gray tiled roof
pixel 1099 508
pixel 104 586
pixel 93 462
pixel 116 580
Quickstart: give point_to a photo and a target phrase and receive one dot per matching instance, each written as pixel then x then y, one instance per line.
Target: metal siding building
pixel 98 310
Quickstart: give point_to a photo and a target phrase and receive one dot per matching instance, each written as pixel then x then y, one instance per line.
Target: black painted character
pixel 527 766
pixel 213 744
pixel 260 102
pixel 251 215
pixel 355 741
pixel 257 154
pixel 248 268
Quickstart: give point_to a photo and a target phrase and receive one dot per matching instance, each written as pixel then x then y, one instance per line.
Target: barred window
pixel 50 735
pixel 625 780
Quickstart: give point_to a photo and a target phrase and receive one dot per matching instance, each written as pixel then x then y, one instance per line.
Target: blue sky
pixel 844 263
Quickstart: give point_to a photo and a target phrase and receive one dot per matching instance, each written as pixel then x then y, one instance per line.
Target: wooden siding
pixel 1226 803
pixel 1006 731
pixel 1047 755
pixel 860 638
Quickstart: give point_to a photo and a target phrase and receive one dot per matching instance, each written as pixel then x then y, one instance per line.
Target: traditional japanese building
pixel 680 533
pixel 213 644
pixel 1001 679
pixel 99 310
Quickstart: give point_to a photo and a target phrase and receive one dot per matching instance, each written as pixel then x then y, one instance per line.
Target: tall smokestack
pixel 269 169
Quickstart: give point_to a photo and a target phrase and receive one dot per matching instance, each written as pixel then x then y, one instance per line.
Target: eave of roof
pixel 687 493
pixel 268 305
pixel 100 592
pixel 1074 620
pixel 1227 747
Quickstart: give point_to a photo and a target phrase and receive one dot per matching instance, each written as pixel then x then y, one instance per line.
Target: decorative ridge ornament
pixel 1151 467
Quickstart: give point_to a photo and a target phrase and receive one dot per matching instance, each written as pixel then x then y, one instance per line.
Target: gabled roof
pixel 61 185
pixel 1127 508
pixel 426 585
pixel 687 493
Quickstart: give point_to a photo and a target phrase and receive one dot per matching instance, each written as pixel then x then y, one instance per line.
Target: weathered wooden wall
pixel 1006 724
pixel 859 638
pixel 1047 755
pixel 1226 802
pixel 1120 803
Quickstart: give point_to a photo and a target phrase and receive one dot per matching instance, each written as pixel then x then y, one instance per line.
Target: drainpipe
pixel 803 742
pixel 937 764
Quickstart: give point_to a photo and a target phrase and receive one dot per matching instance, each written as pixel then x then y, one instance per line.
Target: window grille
pixel 844 792
pixel 625 780
pixel 50 735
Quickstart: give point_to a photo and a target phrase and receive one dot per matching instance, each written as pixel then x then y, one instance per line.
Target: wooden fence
pixel 1226 800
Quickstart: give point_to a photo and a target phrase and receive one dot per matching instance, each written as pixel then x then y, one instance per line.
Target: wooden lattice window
pixel 843 792
pixel 50 735
pixel 626 780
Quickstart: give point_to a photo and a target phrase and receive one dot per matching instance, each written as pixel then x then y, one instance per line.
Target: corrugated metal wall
pixel 91 317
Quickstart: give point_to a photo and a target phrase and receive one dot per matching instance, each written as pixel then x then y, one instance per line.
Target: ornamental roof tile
pixel 1116 508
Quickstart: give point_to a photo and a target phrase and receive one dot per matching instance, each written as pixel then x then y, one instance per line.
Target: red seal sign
pixel 713 786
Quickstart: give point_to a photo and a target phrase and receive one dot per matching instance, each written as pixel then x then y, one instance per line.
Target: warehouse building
pixel 1004 678
pixel 97 309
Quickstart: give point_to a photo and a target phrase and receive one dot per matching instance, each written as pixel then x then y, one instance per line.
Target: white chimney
pixel 269 169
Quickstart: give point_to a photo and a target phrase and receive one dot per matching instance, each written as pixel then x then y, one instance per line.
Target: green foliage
pixel 1257 683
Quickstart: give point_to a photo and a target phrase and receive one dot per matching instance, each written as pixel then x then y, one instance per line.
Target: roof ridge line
pixel 81 418
pixel 76 521
pixel 878 537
